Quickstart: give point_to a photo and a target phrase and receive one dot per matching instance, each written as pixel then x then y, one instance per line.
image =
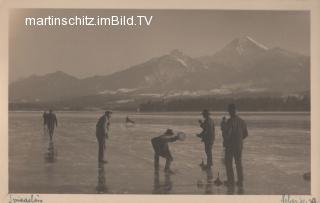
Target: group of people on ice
pixel 233 129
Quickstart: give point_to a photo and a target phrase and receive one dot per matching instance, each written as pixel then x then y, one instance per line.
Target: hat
pixel 205 112
pixel 169 132
pixel 108 112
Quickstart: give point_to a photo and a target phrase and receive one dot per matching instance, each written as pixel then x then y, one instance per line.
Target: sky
pixel 85 51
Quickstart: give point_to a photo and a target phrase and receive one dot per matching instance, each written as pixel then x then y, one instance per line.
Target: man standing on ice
pixel 102 129
pixel 207 135
pixel 52 122
pixel 236 131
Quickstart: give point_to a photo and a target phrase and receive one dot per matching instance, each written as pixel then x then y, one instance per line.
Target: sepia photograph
pixel 159 101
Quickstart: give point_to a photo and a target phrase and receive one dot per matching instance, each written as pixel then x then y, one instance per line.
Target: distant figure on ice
pixel 102 130
pixel 129 121
pixel 207 135
pixel 161 148
pixel 51 122
pixel 223 127
pixel 235 133
pixel 44 117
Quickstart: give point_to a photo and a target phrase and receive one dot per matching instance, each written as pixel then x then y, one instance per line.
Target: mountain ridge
pixel 242 65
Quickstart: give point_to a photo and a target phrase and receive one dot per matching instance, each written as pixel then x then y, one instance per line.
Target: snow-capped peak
pixel 257 43
pixel 246 44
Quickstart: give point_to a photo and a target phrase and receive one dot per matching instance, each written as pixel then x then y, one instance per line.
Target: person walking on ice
pixel 52 122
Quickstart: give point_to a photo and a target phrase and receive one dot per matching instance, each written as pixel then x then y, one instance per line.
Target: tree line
pixel 289 103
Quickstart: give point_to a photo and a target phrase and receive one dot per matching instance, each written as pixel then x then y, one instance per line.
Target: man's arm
pixel 169 138
pixel 201 124
pixel 173 139
pixel 213 131
pixel 106 127
pixel 56 120
pixel 244 130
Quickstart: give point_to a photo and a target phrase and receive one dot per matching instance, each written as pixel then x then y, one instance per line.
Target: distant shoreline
pixel 163 112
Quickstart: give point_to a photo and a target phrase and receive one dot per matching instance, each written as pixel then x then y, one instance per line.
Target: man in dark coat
pixel 52 122
pixel 44 117
pixel 207 135
pixel 235 133
pixel 161 148
pixel 102 129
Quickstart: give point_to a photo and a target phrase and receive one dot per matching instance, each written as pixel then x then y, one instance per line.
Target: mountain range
pixel 243 66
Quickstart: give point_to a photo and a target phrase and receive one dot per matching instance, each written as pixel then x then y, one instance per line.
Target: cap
pixel 108 112
pixel 205 112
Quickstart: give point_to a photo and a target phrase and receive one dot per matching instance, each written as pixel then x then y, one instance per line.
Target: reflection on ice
pixel 162 187
pixel 51 155
pixel 101 184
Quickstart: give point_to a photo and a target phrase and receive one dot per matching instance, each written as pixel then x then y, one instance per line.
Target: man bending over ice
pixel 161 148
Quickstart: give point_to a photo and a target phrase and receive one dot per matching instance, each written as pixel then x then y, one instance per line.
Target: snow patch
pixel 221 91
pixel 107 92
pixel 124 101
pixel 126 90
pixel 121 90
pixel 246 42
pixel 257 43
pixel 256 89
pixel 150 95
pixel 182 62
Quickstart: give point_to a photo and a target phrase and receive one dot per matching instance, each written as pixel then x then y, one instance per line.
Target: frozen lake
pixel 275 156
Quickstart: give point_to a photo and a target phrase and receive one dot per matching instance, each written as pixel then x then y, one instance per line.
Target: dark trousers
pixel 101 144
pixel 51 130
pixel 156 161
pixel 236 153
pixel 208 150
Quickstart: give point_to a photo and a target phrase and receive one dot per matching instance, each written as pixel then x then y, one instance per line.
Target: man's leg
pixel 229 167
pixel 50 132
pixel 167 166
pixel 156 161
pixel 169 159
pixel 238 161
pixel 208 150
pixel 101 149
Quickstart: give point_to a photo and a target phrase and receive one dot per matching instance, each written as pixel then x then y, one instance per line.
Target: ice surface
pixel 276 155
